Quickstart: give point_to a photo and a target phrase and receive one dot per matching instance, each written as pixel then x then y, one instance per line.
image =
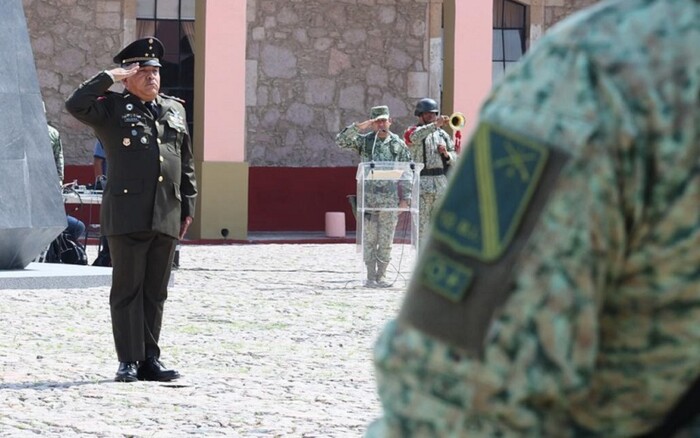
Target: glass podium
pixel 387 221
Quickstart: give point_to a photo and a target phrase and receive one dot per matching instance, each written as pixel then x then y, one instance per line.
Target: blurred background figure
pixel 379 226
pixel 75 228
pixel 431 145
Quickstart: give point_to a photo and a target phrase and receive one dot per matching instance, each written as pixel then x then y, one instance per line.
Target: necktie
pixel 153 109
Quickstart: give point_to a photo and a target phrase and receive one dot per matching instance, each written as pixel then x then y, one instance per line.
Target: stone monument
pixel 31 205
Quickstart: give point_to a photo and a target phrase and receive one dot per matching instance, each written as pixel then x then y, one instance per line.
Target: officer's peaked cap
pixel 146 51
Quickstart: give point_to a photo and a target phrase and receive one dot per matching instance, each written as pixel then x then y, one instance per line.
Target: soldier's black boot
pixel 152 369
pixel 127 372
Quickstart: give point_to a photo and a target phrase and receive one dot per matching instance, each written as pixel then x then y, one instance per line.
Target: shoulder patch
pixel 445 276
pixel 489 193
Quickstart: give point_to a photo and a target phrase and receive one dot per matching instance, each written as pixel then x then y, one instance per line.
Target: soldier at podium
pixel 380 144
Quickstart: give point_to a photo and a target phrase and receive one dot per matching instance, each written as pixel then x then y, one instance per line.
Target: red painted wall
pixel 84 175
pixel 297 198
pixel 279 198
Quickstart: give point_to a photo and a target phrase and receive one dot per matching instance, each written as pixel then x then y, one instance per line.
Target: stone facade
pixel 72 40
pixel 317 65
pixel 556 10
pixel 312 66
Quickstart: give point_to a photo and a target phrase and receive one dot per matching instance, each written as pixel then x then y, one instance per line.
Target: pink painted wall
pixel 224 81
pixel 472 57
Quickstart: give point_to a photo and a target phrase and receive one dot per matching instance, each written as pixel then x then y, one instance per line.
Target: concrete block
pixel 32 213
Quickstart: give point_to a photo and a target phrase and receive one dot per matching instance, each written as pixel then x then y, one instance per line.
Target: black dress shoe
pixel 152 369
pixel 127 372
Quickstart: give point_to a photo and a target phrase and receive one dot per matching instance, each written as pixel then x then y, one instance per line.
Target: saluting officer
pixel 148 202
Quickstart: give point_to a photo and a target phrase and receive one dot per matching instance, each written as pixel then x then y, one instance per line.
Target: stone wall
pixel 556 10
pixel 72 40
pixel 314 66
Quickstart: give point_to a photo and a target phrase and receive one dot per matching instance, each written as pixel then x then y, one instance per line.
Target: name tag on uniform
pixel 131 118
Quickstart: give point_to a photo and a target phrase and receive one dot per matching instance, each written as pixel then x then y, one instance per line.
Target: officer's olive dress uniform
pixel 151 189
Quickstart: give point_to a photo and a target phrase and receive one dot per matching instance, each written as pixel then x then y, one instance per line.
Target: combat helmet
pixel 426 105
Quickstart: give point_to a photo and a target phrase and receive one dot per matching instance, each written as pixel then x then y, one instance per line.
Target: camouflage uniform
pixel 378 226
pixel 57 151
pixel 423 142
pixel 593 329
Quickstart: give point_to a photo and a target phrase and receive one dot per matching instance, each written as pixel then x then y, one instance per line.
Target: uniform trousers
pixel 379 227
pixel 428 205
pixel 141 265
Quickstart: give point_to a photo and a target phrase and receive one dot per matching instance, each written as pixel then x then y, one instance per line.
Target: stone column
pixel 468 57
pixel 219 120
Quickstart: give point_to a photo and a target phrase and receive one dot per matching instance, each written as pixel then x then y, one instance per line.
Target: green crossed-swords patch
pixel 485 203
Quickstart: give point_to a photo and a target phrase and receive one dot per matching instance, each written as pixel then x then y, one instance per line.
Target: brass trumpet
pixel 457 121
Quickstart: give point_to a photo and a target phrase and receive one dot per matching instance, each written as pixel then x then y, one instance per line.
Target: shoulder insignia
pixel 165 96
pixel 489 193
pixel 494 201
pixel 445 276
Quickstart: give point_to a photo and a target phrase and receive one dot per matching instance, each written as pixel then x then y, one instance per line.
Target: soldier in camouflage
pixel 558 294
pixel 75 227
pixel 378 145
pixel 57 148
pixel 431 145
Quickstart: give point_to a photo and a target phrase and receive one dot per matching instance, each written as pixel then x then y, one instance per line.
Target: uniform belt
pixel 432 172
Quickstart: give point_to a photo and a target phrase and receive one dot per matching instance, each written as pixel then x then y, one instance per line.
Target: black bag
pixel 103 258
pixel 65 250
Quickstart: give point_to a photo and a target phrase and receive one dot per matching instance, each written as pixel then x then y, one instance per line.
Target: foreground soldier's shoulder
pixel 494 200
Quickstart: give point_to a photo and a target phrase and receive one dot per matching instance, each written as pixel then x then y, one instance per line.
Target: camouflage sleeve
pixel 450 147
pixel 403 153
pixel 419 134
pixel 57 147
pixel 414 137
pixel 540 347
pixel 350 138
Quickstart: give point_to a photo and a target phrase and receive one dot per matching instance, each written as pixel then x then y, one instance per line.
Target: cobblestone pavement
pixel 272 341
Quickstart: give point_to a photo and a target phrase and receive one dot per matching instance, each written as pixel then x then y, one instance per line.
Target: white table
pixel 80 198
pixel 83 197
